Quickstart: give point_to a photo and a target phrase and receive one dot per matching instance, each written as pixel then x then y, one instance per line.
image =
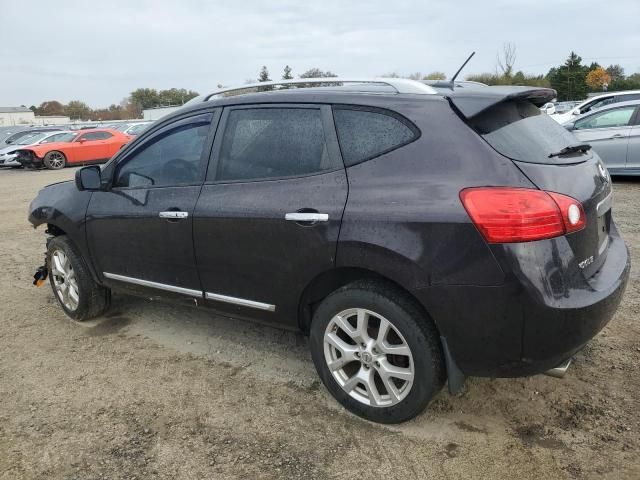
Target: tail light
pixel 507 215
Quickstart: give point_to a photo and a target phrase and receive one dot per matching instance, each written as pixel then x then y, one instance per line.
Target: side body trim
pixel 240 301
pixel 159 286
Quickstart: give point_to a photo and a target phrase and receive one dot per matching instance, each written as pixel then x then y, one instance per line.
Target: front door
pixel 269 214
pixel 89 146
pixel 608 133
pixel 140 230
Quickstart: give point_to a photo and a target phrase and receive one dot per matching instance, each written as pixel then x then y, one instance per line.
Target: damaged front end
pixel 28 159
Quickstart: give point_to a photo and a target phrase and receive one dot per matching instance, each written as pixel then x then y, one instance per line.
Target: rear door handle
pixel 306 217
pixel 173 214
pixel 618 135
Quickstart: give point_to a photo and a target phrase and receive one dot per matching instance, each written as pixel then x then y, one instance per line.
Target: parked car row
pixel 55 147
pixel 612 130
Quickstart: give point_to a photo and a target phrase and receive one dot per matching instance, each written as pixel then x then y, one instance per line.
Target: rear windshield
pixel 520 131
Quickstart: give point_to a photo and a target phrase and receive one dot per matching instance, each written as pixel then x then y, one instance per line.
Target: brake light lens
pixel 508 215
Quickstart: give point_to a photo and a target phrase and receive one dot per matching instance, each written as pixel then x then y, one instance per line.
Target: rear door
pixel 608 133
pixel 140 230
pixel 268 217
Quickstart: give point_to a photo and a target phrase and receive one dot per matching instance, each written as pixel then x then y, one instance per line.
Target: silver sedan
pixel 614 132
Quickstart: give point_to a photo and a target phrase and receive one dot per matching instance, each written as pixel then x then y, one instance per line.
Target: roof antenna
pixel 453 79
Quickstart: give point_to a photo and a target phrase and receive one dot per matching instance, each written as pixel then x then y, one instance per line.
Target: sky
pixel 98 52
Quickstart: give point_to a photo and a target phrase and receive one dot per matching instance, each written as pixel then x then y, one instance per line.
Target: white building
pixel 158 112
pixel 10 116
pixel 51 120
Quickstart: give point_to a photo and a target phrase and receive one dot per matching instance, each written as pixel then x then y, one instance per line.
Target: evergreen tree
pixel 264 74
pixel 569 80
pixel 286 75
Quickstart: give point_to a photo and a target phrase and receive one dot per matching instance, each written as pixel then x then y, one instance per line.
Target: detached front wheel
pixel 376 352
pixel 78 294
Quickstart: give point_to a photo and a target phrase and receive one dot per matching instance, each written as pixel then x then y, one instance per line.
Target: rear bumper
pixel 537 319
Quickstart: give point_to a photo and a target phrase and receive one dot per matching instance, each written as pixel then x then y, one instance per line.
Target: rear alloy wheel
pixel 376 351
pixel 368 357
pixel 55 160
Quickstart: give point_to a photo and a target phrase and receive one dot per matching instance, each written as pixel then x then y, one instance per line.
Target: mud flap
pixel 455 378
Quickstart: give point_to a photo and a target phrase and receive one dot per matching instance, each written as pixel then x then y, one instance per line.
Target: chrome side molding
pixel 192 293
pixel 240 301
pixel 150 284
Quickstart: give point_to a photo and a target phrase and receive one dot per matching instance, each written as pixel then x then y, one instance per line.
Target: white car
pixel 596 102
pixel 8 158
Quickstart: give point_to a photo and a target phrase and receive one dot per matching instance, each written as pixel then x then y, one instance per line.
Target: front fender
pixel 63 206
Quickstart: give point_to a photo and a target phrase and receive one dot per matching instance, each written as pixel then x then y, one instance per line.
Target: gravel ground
pixel 154 390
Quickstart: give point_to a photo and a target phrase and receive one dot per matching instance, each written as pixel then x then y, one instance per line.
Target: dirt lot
pixel 159 391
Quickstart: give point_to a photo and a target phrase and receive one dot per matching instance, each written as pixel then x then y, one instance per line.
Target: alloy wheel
pixel 56 160
pixel 368 357
pixel 64 280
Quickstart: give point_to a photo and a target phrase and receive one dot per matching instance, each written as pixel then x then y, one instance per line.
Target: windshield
pixel 137 129
pixel 60 137
pixel 520 131
pixel 31 139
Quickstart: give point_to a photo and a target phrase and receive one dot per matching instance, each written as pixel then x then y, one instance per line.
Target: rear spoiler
pixel 471 102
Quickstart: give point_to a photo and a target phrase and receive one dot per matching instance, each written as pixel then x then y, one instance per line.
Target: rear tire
pixel 55 160
pixel 78 294
pixel 390 369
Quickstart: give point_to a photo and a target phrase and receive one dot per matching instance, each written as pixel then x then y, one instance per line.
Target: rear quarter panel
pixel 404 220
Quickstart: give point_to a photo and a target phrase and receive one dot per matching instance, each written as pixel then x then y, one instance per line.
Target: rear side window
pixel 367 133
pixel 520 131
pixel 263 143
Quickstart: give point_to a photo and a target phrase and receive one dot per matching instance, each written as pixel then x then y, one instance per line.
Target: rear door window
pixel 263 143
pixel 367 133
pixel 520 131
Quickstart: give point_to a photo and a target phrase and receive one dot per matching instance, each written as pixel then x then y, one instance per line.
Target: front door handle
pixel 306 217
pixel 618 135
pixel 173 215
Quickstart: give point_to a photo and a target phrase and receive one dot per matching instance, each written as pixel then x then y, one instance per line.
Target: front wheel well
pixel 326 283
pixel 54 230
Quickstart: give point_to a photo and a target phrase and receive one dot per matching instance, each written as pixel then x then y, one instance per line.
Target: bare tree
pixel 507 60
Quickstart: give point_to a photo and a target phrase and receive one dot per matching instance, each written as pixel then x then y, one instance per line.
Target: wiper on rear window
pixel 581 147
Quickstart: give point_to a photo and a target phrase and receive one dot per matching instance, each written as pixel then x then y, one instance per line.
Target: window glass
pixel 171 159
pixel 59 137
pixel 618 117
pixel 365 134
pixel 273 142
pixel 519 130
pixel 90 136
pixel 598 104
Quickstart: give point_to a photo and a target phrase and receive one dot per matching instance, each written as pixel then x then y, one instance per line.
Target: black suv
pixel 417 234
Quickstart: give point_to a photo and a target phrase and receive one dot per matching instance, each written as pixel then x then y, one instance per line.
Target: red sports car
pixel 80 148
